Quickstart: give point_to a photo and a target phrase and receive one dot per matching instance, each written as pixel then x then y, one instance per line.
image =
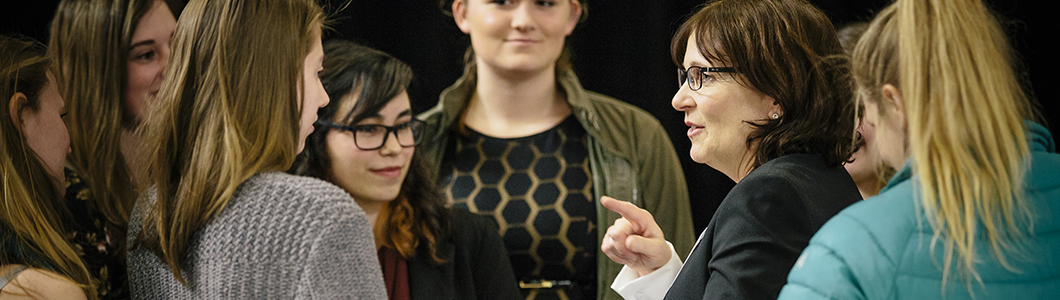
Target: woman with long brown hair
pixel 36 260
pixel 109 56
pixel 221 219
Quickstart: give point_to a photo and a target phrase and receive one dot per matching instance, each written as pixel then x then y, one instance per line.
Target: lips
pixel 693 129
pixel 388 172
pixel 522 41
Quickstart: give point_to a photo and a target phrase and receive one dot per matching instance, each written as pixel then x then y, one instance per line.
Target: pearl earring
pixel 775 116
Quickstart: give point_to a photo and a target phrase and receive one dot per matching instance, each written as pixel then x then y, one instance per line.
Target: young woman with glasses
pixel 366 144
pixel 774 115
pixel 519 139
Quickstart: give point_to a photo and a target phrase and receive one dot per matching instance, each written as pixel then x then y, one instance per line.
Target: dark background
pixel 621 50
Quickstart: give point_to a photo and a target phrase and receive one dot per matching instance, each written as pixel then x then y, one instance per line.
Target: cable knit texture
pixel 280 237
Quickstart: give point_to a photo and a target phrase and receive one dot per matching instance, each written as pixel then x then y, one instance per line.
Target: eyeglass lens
pixel 375 136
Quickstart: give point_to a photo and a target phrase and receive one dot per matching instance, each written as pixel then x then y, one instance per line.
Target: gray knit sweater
pixel 280 237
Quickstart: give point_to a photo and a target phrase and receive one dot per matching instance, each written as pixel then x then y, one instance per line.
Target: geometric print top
pixel 539 190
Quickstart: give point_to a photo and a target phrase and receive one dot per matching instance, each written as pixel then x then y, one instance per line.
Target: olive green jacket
pixel 631 158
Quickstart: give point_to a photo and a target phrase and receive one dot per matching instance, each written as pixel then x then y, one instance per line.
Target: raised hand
pixel 635 240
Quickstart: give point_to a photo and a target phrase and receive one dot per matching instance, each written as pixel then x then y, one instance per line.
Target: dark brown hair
pixel 418 216
pixel 788 50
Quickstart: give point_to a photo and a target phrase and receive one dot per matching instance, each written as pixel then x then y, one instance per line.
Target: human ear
pixel 14 106
pixel 775 109
pixel 460 16
pixel 894 104
pixel 575 15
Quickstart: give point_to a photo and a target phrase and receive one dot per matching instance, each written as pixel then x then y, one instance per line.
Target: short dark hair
pixel 788 50
pixel 420 212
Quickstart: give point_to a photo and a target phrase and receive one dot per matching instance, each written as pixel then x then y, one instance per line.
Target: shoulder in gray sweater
pixel 280 237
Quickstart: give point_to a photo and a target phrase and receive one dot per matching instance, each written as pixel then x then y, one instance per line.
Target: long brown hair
pixel 418 216
pixel 33 211
pixel 947 56
pixel 788 50
pixel 228 109
pixel 90 45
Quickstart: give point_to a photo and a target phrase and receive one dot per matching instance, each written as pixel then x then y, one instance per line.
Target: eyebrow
pixel 407 112
pixel 141 43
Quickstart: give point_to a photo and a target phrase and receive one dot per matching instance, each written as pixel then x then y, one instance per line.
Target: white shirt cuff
pixel 652 286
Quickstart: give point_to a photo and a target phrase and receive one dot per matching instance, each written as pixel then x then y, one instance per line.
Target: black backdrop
pixel 621 50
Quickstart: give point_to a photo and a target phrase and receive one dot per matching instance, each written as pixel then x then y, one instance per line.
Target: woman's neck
pixel 371 209
pixel 508 106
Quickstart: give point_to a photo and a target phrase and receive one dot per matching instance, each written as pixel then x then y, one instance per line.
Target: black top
pixel 539 190
pixel 476 265
pixel 88 235
pixel 761 228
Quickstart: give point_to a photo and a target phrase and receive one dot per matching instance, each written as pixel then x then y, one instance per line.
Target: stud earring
pixel 775 116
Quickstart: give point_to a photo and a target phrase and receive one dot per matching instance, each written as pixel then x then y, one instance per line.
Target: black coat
pixel 761 227
pixel 476 267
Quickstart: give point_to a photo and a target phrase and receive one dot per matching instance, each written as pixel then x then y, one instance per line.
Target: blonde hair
pixel 965 110
pixel 33 209
pixel 90 45
pixel 228 109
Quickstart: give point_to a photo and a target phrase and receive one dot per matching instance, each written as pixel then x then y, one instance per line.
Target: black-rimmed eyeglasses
pixel 696 75
pixel 372 137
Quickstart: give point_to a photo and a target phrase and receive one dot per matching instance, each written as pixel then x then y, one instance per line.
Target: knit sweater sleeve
pixel 342 263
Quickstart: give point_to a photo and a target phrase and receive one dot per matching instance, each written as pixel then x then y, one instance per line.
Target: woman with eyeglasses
pixel 366 144
pixel 521 140
pixel 775 115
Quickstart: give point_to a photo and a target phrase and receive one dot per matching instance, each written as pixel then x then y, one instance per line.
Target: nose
pixel 523 18
pixel 391 146
pixel 164 61
pixel 682 100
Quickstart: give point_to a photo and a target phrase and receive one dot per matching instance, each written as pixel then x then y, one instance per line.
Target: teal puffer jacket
pixel 881 248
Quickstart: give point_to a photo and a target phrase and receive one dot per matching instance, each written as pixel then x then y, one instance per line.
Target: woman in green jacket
pixel 519 139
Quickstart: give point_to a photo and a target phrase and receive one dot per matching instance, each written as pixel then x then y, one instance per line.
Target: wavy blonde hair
pixel 965 110
pixel 33 209
pixel 228 109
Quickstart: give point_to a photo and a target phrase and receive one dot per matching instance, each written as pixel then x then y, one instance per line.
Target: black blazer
pixel 476 267
pixel 761 227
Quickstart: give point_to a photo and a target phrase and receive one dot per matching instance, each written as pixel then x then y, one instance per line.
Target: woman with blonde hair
pixel 520 139
pixel 109 56
pixel 36 260
pixel 221 219
pixel 971 212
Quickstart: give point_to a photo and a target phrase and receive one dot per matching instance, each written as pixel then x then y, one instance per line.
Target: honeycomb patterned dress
pixel 539 190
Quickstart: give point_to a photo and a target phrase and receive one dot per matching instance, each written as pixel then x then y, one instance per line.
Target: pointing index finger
pixel 637 217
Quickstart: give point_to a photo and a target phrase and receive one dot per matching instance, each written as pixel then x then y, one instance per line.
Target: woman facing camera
pixel 109 56
pixel 520 140
pixel 971 212
pixel 366 144
pixel 768 104
pixel 36 260
pixel 221 219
